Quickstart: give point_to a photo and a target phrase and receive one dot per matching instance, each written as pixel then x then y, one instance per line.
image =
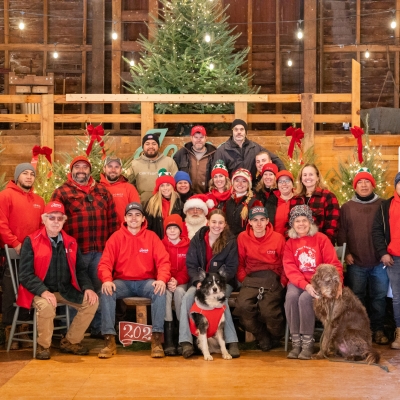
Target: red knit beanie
pixel 269 167
pixel 80 158
pixel 219 168
pixel 363 173
pixel 171 220
pixel 164 177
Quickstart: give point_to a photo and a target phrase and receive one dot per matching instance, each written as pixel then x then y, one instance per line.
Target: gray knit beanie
pixel 300 211
pixel 397 179
pixel 21 168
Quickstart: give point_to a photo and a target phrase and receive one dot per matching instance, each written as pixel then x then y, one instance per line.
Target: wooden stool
pixel 141 304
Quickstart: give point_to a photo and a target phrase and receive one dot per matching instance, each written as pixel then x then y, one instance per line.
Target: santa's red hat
pixel 201 201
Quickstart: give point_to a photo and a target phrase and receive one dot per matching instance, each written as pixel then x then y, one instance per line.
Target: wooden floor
pixel 135 375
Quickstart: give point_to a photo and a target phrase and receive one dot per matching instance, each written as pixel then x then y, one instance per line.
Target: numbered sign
pixel 131 332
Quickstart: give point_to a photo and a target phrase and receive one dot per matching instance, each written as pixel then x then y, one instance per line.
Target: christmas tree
pixel 341 182
pixel 192 52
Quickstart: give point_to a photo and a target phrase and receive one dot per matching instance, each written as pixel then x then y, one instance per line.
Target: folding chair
pixel 340 252
pixel 12 261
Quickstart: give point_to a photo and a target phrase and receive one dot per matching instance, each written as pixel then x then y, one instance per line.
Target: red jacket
pixel 177 255
pixel 259 255
pixel 303 255
pixel 213 317
pixel 123 193
pixel 20 214
pixel 42 251
pixel 134 257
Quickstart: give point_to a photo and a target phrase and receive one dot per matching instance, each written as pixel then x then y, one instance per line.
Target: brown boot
pixel 25 328
pixel 110 347
pixel 14 344
pixel 156 346
pixel 67 347
pixel 396 343
pixel 42 353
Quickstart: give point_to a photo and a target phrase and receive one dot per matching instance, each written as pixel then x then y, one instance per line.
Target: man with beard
pixel 122 191
pixel 197 159
pixel 144 170
pixel 20 215
pixel 196 211
pixel 92 218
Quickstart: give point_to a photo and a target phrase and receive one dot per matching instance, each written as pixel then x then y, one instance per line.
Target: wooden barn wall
pixel 330 149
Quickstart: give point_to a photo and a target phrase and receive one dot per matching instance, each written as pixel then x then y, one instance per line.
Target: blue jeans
pixel 185 335
pixel 128 289
pixel 394 277
pixel 91 261
pixel 373 281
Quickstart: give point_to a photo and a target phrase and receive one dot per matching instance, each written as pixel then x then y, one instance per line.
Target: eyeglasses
pixel 54 218
pixel 284 181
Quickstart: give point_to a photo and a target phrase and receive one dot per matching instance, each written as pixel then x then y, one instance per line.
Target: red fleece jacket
pixel 20 214
pixel 303 255
pixel 134 257
pixel 260 254
pixel 177 255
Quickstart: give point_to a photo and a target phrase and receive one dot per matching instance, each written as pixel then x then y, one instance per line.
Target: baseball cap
pixel 134 206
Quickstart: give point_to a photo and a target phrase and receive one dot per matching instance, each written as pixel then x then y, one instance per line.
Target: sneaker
pixel 67 347
pixel 379 337
pixel 42 353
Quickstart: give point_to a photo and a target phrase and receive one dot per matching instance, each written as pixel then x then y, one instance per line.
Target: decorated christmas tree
pixel 192 51
pixel 366 155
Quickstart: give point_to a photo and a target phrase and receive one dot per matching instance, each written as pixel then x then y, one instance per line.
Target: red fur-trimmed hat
pixel 164 177
pixel 80 158
pixel 201 201
pixel 363 173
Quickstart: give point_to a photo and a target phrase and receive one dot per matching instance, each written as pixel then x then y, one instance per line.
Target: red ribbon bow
pixel 357 133
pixel 297 135
pixel 95 134
pixel 41 151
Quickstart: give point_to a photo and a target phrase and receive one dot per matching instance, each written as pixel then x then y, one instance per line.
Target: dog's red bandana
pixel 213 317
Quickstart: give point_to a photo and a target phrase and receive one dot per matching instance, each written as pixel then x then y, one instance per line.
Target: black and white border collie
pixel 207 318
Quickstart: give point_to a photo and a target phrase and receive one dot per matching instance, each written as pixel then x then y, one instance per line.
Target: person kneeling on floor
pixel 52 271
pixel 134 263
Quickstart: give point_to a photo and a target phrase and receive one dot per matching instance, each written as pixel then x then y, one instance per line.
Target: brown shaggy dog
pixel 345 320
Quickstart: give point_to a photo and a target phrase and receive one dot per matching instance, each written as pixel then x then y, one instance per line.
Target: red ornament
pixel 95 134
pixel 297 135
pixel 357 133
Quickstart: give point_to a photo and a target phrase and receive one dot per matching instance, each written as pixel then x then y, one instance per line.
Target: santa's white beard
pixel 193 224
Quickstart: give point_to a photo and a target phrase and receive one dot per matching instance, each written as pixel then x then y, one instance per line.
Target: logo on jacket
pixel 143 250
pixel 36 205
pixel 306 257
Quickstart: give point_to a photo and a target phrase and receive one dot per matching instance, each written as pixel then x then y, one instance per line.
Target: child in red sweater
pixel 177 246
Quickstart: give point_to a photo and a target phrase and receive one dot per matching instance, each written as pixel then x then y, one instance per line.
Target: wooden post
pixel 396 58
pixel 310 46
pixel 278 59
pixel 241 110
pixel 250 39
pixel 355 93
pixel 307 119
pixel 45 33
pixel 153 9
pixel 147 109
pixel 98 51
pixel 358 27
pixel 116 57
pixel 47 122
pixel 84 54
pixel 321 58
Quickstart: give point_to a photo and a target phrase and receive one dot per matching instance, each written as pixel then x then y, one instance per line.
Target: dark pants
pixel 256 315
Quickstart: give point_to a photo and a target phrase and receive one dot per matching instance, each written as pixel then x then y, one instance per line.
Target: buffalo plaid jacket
pixel 325 209
pixel 92 217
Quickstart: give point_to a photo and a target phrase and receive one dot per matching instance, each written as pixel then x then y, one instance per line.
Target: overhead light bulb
pixel 207 38
pixel 21 25
pixel 114 36
pixel 131 63
pixel 393 24
pixel 300 34
pixel 367 54
pixel 55 55
pixel 290 62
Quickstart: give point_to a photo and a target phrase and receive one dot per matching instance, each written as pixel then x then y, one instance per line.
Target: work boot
pixel 156 346
pixel 263 338
pixel 296 346
pixel 380 338
pixel 42 353
pixel 67 347
pixel 14 344
pixel 110 347
pixel 187 349
pixel 396 343
pixel 233 350
pixel 169 346
pixel 25 328
pixel 307 347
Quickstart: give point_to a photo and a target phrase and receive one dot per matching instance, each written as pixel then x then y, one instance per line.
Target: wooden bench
pixel 141 304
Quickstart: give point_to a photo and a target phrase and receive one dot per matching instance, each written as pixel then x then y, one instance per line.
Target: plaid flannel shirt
pixel 325 209
pixel 91 220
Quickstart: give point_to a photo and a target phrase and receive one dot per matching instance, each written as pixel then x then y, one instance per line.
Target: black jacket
pixel 236 157
pixel 270 203
pixel 156 224
pixel 182 159
pixel 233 217
pixel 196 258
pixel 381 229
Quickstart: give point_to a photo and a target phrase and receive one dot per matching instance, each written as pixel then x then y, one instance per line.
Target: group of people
pixel 234 209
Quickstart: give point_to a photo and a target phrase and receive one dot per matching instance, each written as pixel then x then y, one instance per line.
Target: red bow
pixel 41 151
pixel 95 134
pixel 297 135
pixel 357 133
